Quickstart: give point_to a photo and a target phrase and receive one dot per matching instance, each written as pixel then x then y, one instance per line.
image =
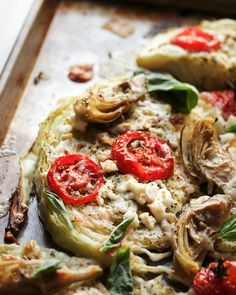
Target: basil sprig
pixel 57 205
pixel 182 97
pixel 231 129
pixel 47 267
pixel 117 235
pixel 119 279
pixel 228 231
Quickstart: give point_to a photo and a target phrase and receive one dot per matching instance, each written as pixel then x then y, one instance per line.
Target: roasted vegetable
pixel 59 218
pixel 208 70
pixel 205 158
pixel 195 232
pixel 142 155
pixel 17 216
pixel 223 100
pixel 106 102
pixel 84 229
pixel 224 249
pixel 75 178
pixel 218 278
pixel 30 269
pixel 196 40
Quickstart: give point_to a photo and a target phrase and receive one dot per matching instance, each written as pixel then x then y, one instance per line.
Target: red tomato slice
pixel 216 281
pixel 230 279
pixel 224 100
pixel 75 178
pixel 195 39
pixel 145 156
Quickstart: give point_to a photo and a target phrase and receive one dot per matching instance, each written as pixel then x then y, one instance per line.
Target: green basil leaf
pixel 182 97
pixel 47 267
pixel 228 231
pixel 119 279
pixel 231 129
pixel 57 205
pixel 117 235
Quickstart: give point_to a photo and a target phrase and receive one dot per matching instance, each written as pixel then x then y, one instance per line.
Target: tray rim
pixel 16 72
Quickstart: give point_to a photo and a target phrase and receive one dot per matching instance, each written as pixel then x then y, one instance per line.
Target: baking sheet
pixel 75 36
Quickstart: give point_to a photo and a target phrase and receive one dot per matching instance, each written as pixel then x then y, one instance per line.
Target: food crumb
pixel 9 148
pixel 41 76
pixel 81 73
pixel 119 27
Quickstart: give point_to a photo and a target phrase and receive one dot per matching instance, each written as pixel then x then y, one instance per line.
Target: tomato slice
pixel 195 39
pixel 75 178
pixel 145 156
pixel 218 278
pixel 224 100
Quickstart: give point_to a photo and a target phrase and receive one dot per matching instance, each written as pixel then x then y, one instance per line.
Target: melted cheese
pixel 158 200
pixel 108 166
pixel 148 220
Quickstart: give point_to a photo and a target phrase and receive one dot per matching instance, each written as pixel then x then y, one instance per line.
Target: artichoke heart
pixel 205 158
pixel 196 231
pixel 106 102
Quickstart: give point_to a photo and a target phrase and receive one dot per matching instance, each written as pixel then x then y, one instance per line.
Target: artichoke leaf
pixel 95 115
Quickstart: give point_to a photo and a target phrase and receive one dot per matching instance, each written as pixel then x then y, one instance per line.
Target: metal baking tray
pixel 57 35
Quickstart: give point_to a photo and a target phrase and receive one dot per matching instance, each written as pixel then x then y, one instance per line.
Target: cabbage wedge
pixel 30 269
pixel 206 70
pixel 84 229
